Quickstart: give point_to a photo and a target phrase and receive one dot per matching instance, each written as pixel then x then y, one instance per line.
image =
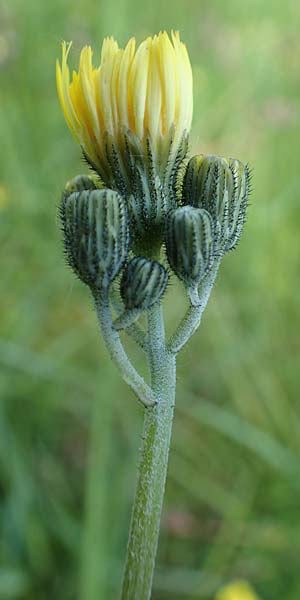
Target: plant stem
pixel 133 330
pixel 193 316
pixel 147 507
pixel 119 356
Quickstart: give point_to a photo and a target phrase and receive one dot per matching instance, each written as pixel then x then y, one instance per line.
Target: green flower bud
pixel 143 283
pixel 81 183
pixel 96 235
pixel 220 186
pixel 190 246
pixel 238 201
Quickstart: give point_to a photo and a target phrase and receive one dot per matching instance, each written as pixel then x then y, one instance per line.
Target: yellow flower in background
pixel 237 590
pixel 147 91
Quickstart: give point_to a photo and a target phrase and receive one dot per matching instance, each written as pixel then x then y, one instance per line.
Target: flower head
pixel 146 91
pixel 132 115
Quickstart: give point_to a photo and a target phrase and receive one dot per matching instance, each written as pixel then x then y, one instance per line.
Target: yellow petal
pixel 114 90
pixel 63 84
pixel 168 78
pixel 123 88
pixel 137 91
pixel 87 90
pixel 184 105
pixel 152 121
pixel 104 99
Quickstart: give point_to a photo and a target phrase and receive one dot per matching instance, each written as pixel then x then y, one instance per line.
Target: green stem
pixel 147 507
pixel 119 356
pixel 133 329
pixel 193 316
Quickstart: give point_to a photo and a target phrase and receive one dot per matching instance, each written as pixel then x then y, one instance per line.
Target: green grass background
pixel 232 505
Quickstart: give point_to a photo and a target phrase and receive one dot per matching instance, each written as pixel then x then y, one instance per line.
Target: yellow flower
pixel 132 115
pixel 146 91
pixel 237 590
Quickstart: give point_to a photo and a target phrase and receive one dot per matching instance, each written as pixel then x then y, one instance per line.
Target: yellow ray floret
pixel 148 90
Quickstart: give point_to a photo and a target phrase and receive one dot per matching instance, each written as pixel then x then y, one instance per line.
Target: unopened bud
pixel 221 187
pixel 190 246
pixel 238 201
pixel 81 183
pixel 96 235
pixel 143 283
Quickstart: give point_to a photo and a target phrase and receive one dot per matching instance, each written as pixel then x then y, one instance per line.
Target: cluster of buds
pixel 215 195
pixel 132 117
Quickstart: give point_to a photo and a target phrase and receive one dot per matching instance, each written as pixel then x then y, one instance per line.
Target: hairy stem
pixel 147 507
pixel 133 329
pixel 119 356
pixel 193 316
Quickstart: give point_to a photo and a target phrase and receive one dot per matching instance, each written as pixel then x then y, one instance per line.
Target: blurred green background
pixel 232 506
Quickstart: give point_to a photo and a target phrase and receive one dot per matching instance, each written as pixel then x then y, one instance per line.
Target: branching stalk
pixel 119 356
pixel 147 507
pixel 193 316
pixel 134 330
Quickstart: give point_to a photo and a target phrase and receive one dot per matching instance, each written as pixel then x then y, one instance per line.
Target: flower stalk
pixel 119 356
pixel 132 115
pixel 147 507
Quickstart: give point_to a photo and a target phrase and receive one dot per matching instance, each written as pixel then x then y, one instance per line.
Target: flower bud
pixel 221 187
pixel 238 201
pixel 190 247
pixel 81 183
pixel 143 283
pixel 96 235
